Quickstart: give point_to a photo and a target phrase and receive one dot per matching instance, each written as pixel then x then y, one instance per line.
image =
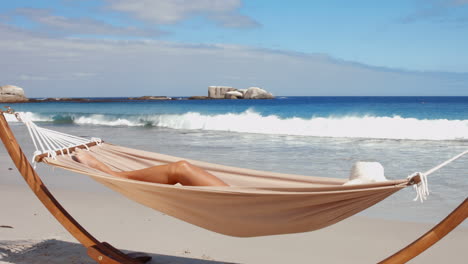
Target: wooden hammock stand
pixel 103 252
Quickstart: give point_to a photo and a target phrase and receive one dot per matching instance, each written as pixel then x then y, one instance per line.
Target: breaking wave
pixel 394 127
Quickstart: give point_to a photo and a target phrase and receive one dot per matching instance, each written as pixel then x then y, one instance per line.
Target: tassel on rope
pixel 421 187
pixel 419 179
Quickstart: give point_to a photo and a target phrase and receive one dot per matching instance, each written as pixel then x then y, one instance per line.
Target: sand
pixel 29 234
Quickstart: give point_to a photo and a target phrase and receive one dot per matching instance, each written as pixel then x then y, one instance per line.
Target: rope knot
pixel 36 153
pixel 51 154
pixel 97 140
pixel 420 185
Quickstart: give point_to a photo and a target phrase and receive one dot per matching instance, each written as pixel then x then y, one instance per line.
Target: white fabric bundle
pixel 364 172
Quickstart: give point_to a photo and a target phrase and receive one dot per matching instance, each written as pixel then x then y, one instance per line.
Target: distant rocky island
pixel 12 94
pixel 227 92
pixel 15 94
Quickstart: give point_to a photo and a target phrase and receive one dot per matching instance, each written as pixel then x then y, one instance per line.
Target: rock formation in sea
pixel 218 92
pixel 61 99
pixel 12 94
pixel 198 97
pixel 150 97
pixel 233 95
pixel 227 92
pixel 257 93
pixel 86 100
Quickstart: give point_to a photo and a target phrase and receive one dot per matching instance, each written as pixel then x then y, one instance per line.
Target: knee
pixel 182 164
pixel 180 167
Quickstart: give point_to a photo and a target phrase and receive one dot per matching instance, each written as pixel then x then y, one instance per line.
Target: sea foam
pixel 394 127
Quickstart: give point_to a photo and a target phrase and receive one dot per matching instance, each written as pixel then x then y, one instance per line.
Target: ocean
pixel 320 136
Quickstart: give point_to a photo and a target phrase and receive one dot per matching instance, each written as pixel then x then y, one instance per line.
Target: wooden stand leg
pixel 107 254
pixel 455 218
pixel 100 252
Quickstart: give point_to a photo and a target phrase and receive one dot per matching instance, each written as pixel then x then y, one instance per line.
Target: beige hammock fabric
pixel 257 203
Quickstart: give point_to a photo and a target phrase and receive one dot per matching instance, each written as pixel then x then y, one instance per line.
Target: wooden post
pixel 97 250
pixel 430 238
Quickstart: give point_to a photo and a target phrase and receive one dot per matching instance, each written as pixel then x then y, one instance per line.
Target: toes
pixel 75 158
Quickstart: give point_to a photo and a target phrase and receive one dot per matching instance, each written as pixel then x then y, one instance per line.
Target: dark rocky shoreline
pixel 15 94
pixel 103 100
pixel 94 100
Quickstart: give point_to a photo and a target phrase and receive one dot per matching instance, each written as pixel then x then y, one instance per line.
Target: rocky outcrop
pixel 227 92
pixel 99 100
pixel 229 96
pixel 257 93
pixel 218 92
pixel 242 91
pixel 61 99
pixel 233 95
pixel 12 94
pixel 199 98
pixel 150 98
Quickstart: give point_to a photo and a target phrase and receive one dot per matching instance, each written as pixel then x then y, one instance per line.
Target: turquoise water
pixel 320 136
pixel 426 118
pixel 283 107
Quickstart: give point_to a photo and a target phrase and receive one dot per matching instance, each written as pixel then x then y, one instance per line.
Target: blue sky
pixel 129 48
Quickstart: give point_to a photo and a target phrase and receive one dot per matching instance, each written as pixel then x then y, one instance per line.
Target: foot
pixel 89 160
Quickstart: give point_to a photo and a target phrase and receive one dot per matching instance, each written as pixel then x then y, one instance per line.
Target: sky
pixel 102 48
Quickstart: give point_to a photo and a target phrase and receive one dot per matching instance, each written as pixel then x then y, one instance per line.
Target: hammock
pixel 257 203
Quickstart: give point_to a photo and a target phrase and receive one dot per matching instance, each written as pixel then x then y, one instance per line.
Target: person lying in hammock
pixel 181 172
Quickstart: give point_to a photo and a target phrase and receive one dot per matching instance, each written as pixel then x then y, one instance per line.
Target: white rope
pixel 446 162
pixel 36 134
pixel 48 141
pixel 422 187
pixel 33 139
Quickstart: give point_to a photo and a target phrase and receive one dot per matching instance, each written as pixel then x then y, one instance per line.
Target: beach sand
pixel 29 234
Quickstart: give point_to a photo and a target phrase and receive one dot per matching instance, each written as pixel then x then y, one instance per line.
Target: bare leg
pixel 178 172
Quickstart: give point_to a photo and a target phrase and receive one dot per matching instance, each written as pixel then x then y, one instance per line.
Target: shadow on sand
pixel 54 251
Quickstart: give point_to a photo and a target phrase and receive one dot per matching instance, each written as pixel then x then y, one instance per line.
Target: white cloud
pixel 234 21
pixel 438 11
pixel 224 12
pixel 83 74
pixel 64 26
pixel 26 77
pixel 53 67
pixel 57 77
